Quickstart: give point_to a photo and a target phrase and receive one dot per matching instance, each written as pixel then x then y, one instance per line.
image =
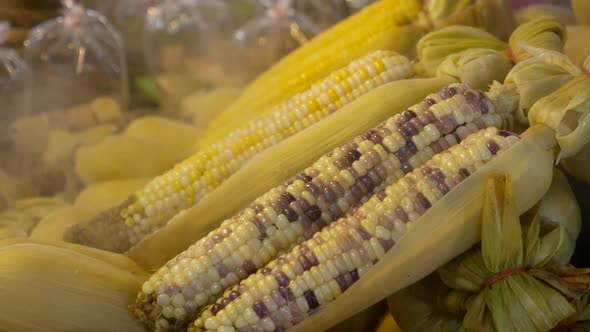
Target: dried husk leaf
pixel 538 77
pixel 544 32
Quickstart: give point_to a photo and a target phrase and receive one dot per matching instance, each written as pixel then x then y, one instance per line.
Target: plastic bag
pixel 75 58
pixel 15 76
pixel 264 39
pixel 184 45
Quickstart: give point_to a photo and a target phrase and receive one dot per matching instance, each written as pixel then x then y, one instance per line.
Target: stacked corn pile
pixel 314 197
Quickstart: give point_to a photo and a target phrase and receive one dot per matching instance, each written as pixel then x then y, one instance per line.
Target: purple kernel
pixel 234 295
pixel 364 234
pixel 402 214
pixel 249 267
pixel 409 114
pixel 464 172
pixel 314 213
pixel 423 200
pixel 282 279
pixel 313 189
pixel 354 155
pixel 312 301
pixel 288 196
pixel 355 275
pixel 493 147
pixel 429 101
pixel 215 309
pixel 265 271
pixel 290 214
pixel 224 302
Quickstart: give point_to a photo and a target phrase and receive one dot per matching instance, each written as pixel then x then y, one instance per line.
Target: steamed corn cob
pixel 315 197
pixel 374 28
pixel 319 270
pixel 150 208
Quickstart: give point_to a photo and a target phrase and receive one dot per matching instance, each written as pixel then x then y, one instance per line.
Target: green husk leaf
pixel 468 66
pixel 538 77
pixel 544 32
pixel 520 301
pixel 434 47
pixel 566 111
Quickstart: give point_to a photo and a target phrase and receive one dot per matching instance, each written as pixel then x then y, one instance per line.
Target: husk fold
pixel 545 32
pixel 566 112
pixel 539 76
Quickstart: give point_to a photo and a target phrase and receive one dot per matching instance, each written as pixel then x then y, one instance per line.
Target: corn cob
pixel 320 269
pixel 375 27
pixel 275 165
pixel 322 193
pixel 433 239
pixel 189 181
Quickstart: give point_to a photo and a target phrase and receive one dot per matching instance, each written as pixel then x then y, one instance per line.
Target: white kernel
pixel 211 323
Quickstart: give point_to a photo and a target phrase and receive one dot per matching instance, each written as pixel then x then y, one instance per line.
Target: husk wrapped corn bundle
pixel 515 280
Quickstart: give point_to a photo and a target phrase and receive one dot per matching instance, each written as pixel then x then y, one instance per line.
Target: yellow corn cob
pixel 315 197
pixel 189 181
pixel 46 286
pixel 375 27
pixel 319 270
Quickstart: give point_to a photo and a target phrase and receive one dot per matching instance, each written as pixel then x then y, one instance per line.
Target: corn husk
pixel 24 214
pixel 52 286
pixel 436 46
pixel 545 32
pixel 469 65
pixel 566 112
pixel 538 77
pixel 495 16
pixel 537 298
pixel 559 206
pixel 430 305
